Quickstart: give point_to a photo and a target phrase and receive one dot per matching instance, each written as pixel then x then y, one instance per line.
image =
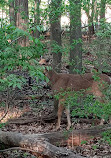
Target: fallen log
pixel 74 137
pixel 37 143
pixel 45 140
pixel 24 120
pixel 48 119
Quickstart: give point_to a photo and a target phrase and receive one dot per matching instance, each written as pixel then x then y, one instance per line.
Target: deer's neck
pixel 53 76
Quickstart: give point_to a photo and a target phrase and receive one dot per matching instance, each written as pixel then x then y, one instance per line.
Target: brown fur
pixel 63 82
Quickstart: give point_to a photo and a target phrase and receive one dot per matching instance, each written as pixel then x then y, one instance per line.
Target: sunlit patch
pixel 12 113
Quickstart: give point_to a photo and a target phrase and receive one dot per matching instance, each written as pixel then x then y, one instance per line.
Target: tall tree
pixel 55 28
pixel 12 11
pixel 102 9
pixel 90 19
pixel 96 12
pixel 37 17
pixel 22 19
pixel 90 7
pixel 75 36
pixel 55 15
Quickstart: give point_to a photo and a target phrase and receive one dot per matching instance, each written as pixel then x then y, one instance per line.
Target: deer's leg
pixel 60 110
pixel 67 110
pixel 100 96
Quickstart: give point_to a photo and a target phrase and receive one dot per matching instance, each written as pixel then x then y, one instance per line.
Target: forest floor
pixel 94 148
pixel 25 109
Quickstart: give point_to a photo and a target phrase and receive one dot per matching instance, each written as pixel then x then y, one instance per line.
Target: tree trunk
pixel 2 17
pixel 55 29
pixel 96 15
pixel 22 19
pixel 90 21
pixel 55 34
pixel 12 12
pixel 37 18
pixel 102 9
pixel 75 37
pixel 91 10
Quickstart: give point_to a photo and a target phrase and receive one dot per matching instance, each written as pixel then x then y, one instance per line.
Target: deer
pixel 63 82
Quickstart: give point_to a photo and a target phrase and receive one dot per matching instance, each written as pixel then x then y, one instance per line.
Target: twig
pixel 18 148
pixel 16 39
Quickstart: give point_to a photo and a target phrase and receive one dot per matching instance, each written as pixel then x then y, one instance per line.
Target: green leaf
pixel 36 40
pixel 38 28
pixel 19 86
pixel 47 80
pixel 10 84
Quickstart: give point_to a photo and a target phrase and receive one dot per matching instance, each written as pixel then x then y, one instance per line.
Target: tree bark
pixel 22 19
pixel 61 138
pixel 12 12
pixel 37 18
pixel 55 34
pixel 55 28
pixel 90 21
pixel 75 37
pixel 91 10
pixel 36 142
pixel 102 9
pixel 96 15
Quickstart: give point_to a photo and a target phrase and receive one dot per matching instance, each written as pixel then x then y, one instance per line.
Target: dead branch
pixel 24 120
pixel 36 142
pixel 45 143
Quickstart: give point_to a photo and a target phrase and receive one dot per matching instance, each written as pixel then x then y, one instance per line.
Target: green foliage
pixel 96 76
pixel 101 46
pixel 14 57
pixel 55 9
pixel 83 142
pixel 2 125
pixel 94 147
pixel 56 48
pixel 105 30
pixel 3 3
pixel 107 136
pixel 83 105
pixel 26 154
pixel 88 106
